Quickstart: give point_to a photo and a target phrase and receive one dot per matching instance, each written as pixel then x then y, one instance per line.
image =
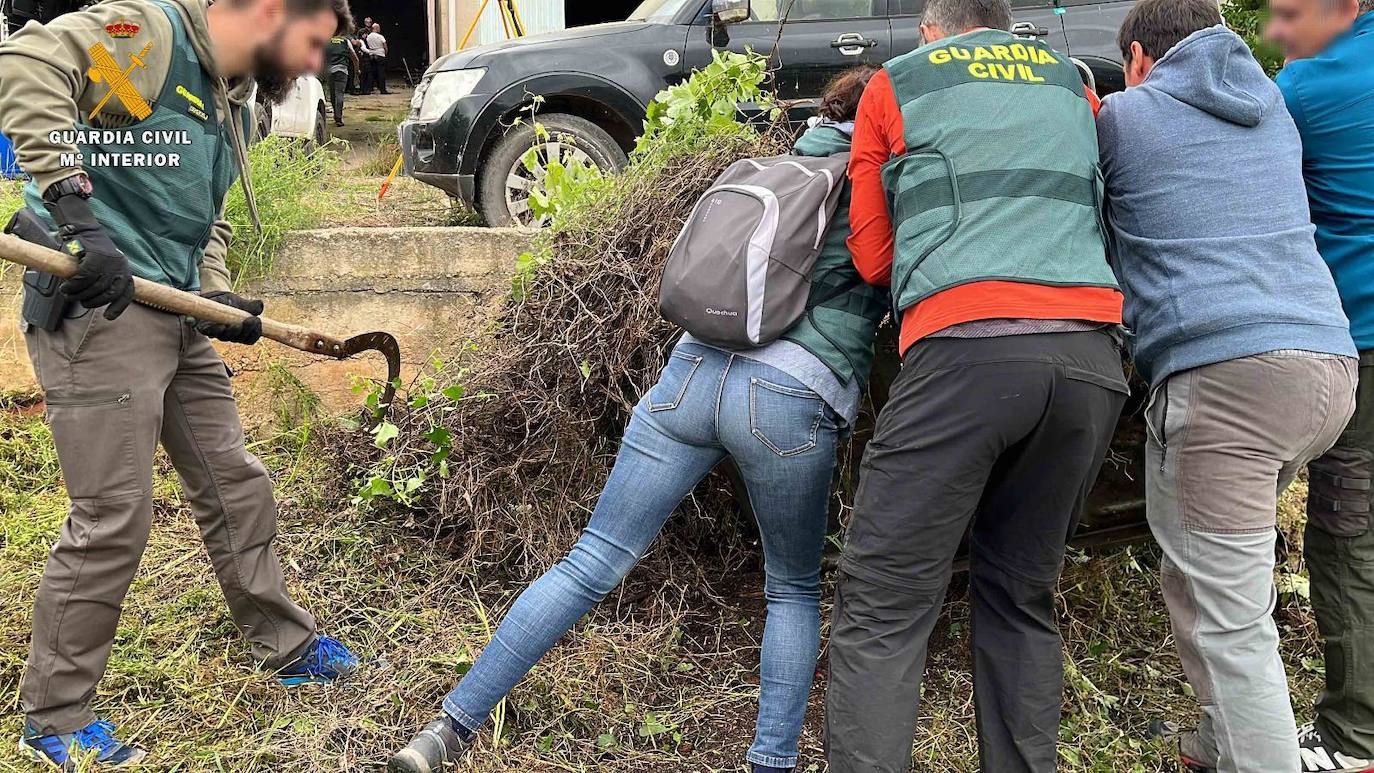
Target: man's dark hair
pixel 955 16
pixel 1158 25
pixel 840 100
pixel 342 12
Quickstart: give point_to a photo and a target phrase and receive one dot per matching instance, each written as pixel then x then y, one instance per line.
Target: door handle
pixel 1025 29
pixel 852 43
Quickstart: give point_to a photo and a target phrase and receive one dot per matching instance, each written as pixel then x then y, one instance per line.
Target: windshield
pixel 659 10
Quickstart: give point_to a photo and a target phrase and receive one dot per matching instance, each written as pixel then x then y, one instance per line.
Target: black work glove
pixel 247 333
pixel 103 278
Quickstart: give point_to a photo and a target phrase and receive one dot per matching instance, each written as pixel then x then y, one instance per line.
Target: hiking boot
pixel 325 661
pixel 442 740
pixel 1187 744
pixel 96 740
pixel 1319 756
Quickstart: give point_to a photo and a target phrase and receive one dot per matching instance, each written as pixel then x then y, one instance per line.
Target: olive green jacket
pixel 45 87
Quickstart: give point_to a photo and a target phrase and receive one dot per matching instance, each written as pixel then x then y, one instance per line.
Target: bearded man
pixel 131 118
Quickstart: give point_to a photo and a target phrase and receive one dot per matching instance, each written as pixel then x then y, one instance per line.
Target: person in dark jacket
pixel 1239 331
pixel 341 61
pixel 780 411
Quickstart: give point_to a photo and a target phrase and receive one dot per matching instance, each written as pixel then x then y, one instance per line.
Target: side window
pixel 910 7
pixel 813 10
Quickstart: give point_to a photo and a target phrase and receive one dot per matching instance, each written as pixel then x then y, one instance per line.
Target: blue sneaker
pixel 95 740
pixel 325 661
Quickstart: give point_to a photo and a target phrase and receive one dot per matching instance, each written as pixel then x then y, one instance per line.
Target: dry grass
pixel 180 680
pixel 351 201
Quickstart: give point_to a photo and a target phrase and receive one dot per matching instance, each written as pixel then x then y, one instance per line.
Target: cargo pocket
pixel 1338 499
pixel 785 419
pixel 76 332
pixel 672 383
pixel 95 441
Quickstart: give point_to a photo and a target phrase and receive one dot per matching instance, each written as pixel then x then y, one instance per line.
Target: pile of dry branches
pixel 545 400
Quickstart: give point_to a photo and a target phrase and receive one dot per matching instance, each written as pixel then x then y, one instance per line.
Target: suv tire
pixel 502 204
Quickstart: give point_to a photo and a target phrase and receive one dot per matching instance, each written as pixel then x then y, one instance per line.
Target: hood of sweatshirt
pixel 230 94
pixel 825 138
pixel 1214 71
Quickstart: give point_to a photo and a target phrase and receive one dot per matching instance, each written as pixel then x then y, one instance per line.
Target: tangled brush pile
pixel 505 450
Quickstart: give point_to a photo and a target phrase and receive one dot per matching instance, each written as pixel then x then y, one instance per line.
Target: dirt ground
pixel 370 125
pixel 368 151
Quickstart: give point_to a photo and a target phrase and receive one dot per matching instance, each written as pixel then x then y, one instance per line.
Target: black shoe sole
pixel 403 764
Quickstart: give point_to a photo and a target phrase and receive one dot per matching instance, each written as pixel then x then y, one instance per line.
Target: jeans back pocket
pixel 672 384
pixel 783 418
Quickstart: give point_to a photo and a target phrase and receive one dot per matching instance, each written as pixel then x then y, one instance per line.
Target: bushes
pixel 508 446
pixel 1247 18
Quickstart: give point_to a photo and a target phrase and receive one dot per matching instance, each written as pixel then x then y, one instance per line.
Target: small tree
pixel 1247 18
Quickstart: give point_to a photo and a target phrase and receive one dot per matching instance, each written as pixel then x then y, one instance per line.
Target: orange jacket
pixel 878 137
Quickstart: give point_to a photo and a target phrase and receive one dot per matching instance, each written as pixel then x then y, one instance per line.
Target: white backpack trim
pixel 760 247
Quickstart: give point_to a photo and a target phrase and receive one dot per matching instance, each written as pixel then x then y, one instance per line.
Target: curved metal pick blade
pixel 387 344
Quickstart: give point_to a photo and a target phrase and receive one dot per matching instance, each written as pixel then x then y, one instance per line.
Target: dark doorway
pixel 579 13
pixel 403 23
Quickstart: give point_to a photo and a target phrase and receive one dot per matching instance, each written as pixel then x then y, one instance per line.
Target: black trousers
pixel 1005 435
pixel 374 74
pixel 338 85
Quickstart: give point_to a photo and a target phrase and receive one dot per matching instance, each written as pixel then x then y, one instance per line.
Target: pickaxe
pixel 169 299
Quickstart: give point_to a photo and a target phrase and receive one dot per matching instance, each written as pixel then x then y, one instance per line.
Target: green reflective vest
pixel 1000 180
pixel 161 216
pixel 842 310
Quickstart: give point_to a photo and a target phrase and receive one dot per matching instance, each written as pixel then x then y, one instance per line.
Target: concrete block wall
pixel 433 288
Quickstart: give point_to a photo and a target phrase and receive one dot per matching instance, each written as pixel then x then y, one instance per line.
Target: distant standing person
pixel 341 60
pixel 376 47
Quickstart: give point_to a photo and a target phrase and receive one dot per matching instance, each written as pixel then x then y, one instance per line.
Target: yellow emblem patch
pixel 197 105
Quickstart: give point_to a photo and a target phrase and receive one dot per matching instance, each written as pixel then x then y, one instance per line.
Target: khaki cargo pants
pixel 1224 441
pixel 114 390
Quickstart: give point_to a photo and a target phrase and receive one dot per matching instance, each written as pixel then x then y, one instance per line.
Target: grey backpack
pixel 739 274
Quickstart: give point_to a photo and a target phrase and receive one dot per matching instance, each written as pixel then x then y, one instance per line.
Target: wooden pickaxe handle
pixel 170 299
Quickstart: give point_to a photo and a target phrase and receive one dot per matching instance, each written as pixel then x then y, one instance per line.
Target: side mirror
pixel 729 11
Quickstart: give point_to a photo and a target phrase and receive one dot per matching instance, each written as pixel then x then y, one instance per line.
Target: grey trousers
pixel 114 389
pixel 1006 435
pixel 1224 441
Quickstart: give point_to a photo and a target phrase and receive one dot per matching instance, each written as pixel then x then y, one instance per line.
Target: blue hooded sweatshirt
pixel 1331 97
pixel 1209 227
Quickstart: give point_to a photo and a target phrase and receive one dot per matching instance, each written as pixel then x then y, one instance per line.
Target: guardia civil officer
pixel 131 117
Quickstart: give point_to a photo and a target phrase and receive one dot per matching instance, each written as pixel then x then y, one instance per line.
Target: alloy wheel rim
pixel 521 180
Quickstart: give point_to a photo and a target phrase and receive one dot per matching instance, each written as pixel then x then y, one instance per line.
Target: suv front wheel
pixel 504 184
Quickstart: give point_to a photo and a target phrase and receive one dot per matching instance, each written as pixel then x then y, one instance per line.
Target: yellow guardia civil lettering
pixel 997 62
pixel 192 98
pixel 1017 52
pixel 196 106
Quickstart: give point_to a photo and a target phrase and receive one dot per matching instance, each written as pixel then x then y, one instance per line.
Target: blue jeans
pixel 706 404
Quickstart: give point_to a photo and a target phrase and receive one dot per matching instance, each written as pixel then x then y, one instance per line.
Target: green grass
pixel 661 678
pixel 288 180
pixel 11 199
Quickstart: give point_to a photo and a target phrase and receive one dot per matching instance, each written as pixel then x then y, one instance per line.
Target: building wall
pixel 452 18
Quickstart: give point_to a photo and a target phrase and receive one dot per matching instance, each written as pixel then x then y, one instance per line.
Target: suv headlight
pixel 439 91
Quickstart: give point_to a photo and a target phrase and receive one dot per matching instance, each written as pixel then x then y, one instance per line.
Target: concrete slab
pixel 433 288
